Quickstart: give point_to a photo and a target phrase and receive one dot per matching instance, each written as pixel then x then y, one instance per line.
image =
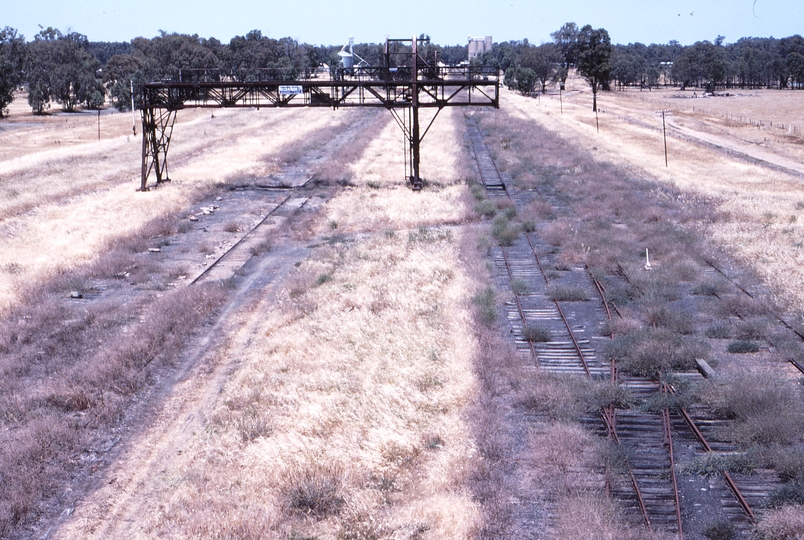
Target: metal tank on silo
pixel 347 55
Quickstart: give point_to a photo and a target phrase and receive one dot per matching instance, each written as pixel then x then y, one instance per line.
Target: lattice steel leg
pixel 157 128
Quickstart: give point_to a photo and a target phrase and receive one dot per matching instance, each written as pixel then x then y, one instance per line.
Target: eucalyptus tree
pixel 12 62
pixel 594 59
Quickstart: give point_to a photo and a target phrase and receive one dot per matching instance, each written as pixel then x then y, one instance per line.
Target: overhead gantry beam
pixel 415 84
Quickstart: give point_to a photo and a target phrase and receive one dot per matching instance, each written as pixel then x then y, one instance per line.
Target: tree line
pixel 747 63
pixel 71 70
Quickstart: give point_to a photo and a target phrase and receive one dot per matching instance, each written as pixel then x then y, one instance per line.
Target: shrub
pixel 719 331
pixel 648 353
pixel 253 425
pixel 674 320
pixel 786 494
pixel 750 330
pixel 536 334
pixel 478 192
pixel 510 212
pixel 519 287
pixel 528 225
pixel 713 464
pixel 742 346
pixel 503 231
pixel 487 309
pixel 263 247
pixel 707 288
pixel 566 293
pixel 323 278
pixel 720 530
pixel 486 208
pixel 231 227
pixel 767 408
pixel 314 489
pixel 784 524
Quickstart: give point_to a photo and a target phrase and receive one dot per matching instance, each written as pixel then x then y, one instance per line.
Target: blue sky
pixel 446 21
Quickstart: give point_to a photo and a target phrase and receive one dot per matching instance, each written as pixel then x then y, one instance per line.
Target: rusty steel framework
pixel 408 81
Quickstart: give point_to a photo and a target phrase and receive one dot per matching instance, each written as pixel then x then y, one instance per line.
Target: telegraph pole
pixel 664 134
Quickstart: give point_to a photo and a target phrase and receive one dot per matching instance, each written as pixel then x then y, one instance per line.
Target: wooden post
pixel 664 132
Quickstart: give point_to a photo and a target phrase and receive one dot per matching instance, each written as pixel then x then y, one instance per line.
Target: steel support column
pixel 415 179
pixel 157 128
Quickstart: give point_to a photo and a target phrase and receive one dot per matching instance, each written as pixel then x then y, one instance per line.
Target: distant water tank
pixel 347 54
pixel 347 59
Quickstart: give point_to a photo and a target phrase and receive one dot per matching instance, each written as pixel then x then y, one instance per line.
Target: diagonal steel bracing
pixel 408 81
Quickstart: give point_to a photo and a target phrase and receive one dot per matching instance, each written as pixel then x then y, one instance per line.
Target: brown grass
pixel 69 373
pixel 86 200
pixel 755 207
pixel 784 524
pixel 353 407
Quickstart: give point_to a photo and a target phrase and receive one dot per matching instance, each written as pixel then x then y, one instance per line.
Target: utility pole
pixel 133 112
pixel 664 134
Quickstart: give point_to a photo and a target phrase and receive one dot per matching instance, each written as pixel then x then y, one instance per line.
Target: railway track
pixel 235 257
pixel 652 440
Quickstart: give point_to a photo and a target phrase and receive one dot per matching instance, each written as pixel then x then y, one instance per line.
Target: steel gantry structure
pixel 408 81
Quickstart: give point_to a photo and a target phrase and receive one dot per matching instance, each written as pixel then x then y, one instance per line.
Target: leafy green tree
pixel 520 79
pixel 627 67
pixel 74 79
pixel 41 63
pixel 594 59
pixel 12 61
pixel 566 41
pixel 795 65
pixel 703 64
pixel 542 60
pixel 62 68
pixel 120 72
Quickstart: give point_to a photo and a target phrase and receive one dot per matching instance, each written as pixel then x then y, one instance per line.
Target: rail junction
pixel 410 78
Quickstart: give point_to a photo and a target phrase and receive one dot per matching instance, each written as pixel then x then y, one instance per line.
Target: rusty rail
pixel 668 433
pixel 726 476
pixel 572 337
pixel 228 251
pixel 519 304
pixel 609 419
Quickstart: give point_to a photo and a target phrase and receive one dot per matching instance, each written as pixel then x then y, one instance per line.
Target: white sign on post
pixel 290 89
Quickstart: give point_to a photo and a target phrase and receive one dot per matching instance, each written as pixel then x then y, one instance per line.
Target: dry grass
pixel 353 407
pixel 345 415
pixel 68 375
pixel 784 524
pixel 84 200
pixel 381 199
pixel 755 206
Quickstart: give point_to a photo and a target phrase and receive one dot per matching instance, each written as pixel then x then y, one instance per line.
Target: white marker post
pixel 647 260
